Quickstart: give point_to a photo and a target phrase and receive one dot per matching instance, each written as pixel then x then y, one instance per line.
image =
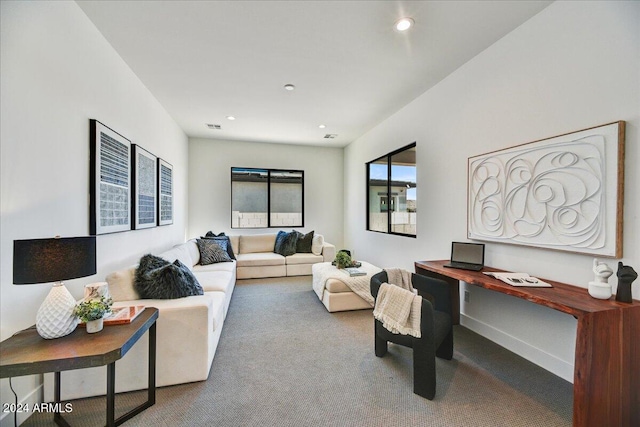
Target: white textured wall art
pixel 561 193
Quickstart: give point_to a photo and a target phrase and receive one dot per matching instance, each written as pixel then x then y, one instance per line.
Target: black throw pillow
pixel 286 243
pixel 211 251
pixel 303 246
pixel 157 278
pixel 212 234
pixel 223 241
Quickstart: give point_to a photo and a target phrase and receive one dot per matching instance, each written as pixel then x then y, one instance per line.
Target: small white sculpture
pixel 600 287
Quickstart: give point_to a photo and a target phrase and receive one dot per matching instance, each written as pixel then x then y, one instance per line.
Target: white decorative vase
pixel 94 326
pixel 55 316
pixel 94 291
pixel 600 290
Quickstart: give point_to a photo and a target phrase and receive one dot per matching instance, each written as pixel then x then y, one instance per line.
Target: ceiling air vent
pixel 330 136
pixel 211 126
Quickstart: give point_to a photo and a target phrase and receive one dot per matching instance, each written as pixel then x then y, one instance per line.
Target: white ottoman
pixel 337 295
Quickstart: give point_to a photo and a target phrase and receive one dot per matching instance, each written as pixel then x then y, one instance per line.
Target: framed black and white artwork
pixel 165 193
pixel 109 181
pixel 144 176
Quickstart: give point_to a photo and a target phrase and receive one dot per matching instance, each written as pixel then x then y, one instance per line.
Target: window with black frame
pixel 262 198
pixel 391 192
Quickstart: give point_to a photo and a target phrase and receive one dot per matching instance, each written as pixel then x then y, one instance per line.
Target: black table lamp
pixel 54 260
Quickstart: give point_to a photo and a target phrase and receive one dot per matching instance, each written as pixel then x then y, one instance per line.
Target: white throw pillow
pixel 121 284
pixel 316 244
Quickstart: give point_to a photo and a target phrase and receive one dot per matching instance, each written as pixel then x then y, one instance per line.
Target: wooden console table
pixel 27 353
pixel 606 380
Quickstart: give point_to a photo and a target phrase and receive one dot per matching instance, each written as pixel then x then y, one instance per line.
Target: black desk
pixel 27 353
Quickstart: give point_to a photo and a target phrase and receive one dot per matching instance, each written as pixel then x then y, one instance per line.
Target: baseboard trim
pixel 533 354
pixel 6 419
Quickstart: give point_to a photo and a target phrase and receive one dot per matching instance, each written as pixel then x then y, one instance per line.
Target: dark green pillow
pixel 286 243
pixel 157 278
pixel 303 246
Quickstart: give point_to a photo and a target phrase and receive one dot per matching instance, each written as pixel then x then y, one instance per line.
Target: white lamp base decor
pixel 55 316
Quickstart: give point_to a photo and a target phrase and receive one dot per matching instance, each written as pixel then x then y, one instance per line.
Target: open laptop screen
pixel 471 253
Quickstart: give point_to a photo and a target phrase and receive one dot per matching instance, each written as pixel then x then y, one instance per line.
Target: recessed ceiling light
pixel 289 86
pixel 404 24
pixel 322 126
pixel 230 118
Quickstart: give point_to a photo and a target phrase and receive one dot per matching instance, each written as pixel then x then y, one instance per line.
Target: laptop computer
pixel 466 256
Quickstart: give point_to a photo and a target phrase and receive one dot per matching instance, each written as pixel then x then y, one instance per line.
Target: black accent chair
pixel 436 331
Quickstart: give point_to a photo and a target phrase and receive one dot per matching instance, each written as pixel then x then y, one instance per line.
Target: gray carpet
pixel 283 360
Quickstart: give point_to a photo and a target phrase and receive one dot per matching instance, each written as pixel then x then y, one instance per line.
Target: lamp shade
pixel 53 260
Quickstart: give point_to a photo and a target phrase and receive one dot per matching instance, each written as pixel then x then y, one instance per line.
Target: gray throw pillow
pixel 157 278
pixel 223 241
pixel 286 243
pixel 211 251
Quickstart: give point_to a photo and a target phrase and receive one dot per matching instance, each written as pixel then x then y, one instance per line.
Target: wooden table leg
pixel 605 385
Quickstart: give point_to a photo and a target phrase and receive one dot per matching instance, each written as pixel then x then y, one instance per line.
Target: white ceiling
pixel 205 60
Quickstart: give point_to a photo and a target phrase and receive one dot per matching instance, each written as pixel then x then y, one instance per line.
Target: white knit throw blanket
pixel 360 285
pixel 397 306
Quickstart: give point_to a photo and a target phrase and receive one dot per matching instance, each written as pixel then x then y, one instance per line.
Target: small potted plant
pixel 343 259
pixel 92 312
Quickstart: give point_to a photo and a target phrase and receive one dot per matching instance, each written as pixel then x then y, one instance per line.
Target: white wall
pixel 57 73
pixel 210 163
pixel 572 66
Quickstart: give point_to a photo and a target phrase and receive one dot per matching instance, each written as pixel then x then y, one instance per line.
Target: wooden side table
pixel 27 353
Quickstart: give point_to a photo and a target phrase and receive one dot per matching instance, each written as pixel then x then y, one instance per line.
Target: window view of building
pixel 262 198
pixel 391 184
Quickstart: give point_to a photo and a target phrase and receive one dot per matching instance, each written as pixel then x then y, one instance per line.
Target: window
pixel 391 192
pixel 262 198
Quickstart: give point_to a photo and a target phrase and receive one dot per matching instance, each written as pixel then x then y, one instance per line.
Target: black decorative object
pixel 626 275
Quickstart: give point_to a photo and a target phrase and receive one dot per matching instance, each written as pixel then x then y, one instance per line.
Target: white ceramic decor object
pixel 55 316
pixel 94 326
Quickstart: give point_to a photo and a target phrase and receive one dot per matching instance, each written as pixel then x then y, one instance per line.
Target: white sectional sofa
pixel 256 259
pixel 189 328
